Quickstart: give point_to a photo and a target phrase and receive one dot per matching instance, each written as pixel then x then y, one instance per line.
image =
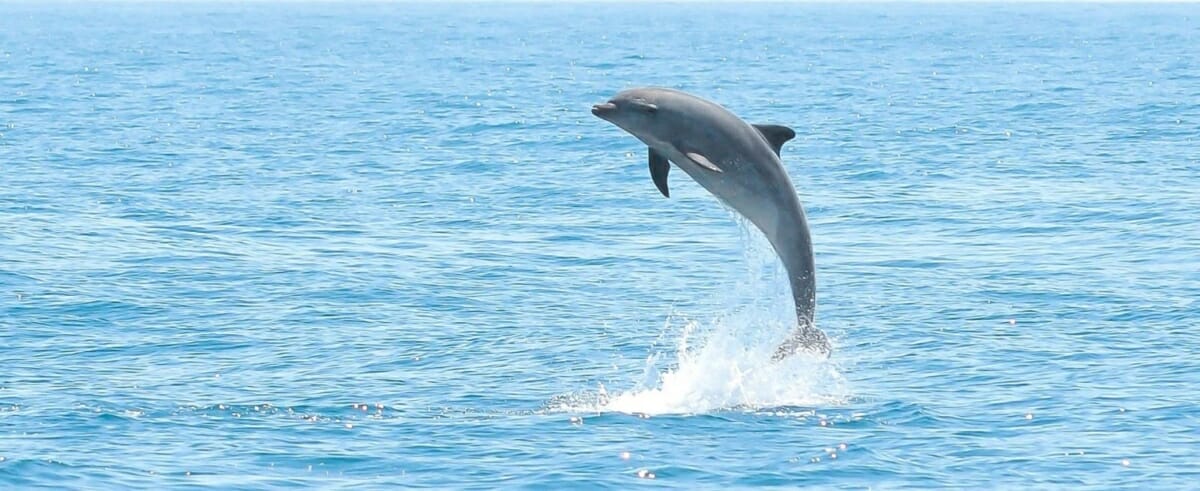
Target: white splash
pixel 725 363
pixel 729 367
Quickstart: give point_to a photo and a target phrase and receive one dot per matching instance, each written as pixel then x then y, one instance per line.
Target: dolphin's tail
pixel 804 338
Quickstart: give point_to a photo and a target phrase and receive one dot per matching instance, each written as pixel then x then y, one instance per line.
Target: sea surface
pixel 368 246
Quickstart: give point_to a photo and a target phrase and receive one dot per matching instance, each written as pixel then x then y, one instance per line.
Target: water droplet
pixel 624 456
pixel 1125 462
pixel 645 474
pixel 349 426
pixel 576 420
pixel 1028 415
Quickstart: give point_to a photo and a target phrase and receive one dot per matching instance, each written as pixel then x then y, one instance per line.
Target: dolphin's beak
pixel 602 109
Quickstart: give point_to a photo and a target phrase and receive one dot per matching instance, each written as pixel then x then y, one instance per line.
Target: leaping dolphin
pixel 738 163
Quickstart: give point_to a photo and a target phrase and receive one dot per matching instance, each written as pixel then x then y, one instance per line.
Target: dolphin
pixel 738 163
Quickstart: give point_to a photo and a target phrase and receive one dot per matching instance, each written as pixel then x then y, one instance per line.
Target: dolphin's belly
pixel 760 198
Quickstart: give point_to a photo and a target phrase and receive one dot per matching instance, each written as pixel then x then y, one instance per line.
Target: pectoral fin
pixel 775 135
pixel 703 161
pixel 659 167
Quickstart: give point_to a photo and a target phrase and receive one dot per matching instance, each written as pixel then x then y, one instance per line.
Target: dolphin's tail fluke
pixel 805 338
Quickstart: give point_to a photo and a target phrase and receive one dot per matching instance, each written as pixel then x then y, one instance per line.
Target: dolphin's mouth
pixel 603 109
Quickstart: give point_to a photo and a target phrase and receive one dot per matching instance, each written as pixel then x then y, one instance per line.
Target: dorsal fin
pixel 776 135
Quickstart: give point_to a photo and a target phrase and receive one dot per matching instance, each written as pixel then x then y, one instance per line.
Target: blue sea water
pixel 276 245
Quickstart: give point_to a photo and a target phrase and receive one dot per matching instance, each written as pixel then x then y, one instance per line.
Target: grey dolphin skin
pixel 738 163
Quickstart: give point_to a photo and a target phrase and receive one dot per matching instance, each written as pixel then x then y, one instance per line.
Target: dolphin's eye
pixel 645 106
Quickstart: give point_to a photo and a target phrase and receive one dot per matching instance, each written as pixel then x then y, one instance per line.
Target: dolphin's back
pixel 705 122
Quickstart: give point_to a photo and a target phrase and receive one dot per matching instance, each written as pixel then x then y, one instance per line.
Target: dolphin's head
pixel 637 111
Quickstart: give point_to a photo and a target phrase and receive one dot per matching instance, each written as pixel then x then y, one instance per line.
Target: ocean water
pixel 379 245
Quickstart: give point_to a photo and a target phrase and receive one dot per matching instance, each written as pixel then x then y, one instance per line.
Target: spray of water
pixel 725 363
pixel 727 366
